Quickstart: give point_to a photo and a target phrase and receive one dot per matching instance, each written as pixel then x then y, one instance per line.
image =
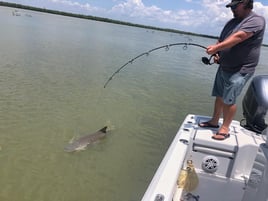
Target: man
pixel 237 53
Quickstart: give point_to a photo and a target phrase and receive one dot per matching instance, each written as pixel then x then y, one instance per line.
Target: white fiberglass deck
pixel 223 167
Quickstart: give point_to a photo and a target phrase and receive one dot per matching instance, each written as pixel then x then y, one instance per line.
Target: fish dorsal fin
pixel 103 130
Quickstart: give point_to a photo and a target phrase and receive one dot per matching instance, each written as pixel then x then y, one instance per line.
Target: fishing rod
pixel 205 60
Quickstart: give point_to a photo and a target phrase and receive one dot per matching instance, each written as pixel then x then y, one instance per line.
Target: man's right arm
pixel 229 42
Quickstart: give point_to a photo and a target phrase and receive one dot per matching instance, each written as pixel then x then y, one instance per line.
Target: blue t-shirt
pixel 244 56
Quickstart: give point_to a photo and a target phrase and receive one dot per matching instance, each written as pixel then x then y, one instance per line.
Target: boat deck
pixel 223 168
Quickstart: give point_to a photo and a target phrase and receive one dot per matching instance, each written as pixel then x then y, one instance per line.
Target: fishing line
pixel 205 60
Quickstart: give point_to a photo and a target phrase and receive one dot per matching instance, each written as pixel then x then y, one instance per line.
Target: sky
pixel 197 16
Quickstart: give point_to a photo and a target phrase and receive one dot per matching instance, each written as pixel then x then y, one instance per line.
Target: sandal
pixel 224 136
pixel 207 124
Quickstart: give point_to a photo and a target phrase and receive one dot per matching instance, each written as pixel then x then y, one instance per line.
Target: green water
pixel 52 72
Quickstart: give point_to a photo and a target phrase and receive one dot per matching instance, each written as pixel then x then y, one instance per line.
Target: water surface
pixel 52 72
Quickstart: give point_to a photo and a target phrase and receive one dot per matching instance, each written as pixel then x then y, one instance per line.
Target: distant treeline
pixel 89 17
pixel 14 5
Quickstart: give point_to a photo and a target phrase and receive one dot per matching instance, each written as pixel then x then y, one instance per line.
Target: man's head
pixel 240 8
pixel 248 4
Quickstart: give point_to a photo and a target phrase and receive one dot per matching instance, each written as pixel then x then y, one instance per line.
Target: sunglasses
pixel 235 6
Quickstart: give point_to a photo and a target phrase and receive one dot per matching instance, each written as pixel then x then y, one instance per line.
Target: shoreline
pixel 102 19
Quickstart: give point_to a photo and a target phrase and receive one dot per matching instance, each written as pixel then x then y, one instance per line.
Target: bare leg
pixel 228 115
pixel 218 108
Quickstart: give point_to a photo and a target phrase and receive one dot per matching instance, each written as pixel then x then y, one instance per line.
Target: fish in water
pixel 82 142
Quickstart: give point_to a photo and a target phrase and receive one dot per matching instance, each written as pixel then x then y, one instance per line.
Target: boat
pixel 16 13
pixel 199 168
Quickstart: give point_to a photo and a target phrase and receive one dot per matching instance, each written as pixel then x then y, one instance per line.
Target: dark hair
pixel 248 4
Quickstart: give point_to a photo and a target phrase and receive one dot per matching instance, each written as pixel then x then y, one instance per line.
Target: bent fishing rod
pixel 205 60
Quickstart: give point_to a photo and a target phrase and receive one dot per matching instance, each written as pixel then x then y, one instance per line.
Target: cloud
pixel 261 9
pixel 134 8
pixel 209 15
pixel 76 6
pixel 208 19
